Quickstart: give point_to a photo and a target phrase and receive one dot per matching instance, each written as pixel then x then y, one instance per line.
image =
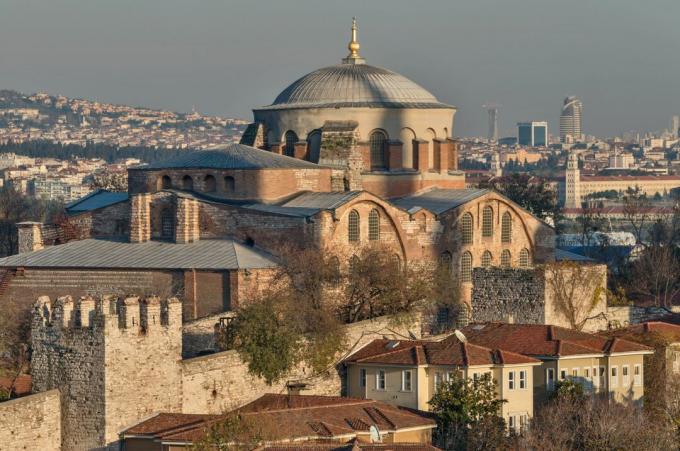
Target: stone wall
pixel 516 295
pixel 221 381
pixel 622 316
pixel 199 335
pixel 31 423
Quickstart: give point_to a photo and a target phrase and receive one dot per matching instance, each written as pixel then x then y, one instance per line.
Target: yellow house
pixel 611 366
pixel 408 372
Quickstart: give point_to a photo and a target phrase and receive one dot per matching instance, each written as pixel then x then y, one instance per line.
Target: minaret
pixel 353 46
pixel 572 183
pixel 496 165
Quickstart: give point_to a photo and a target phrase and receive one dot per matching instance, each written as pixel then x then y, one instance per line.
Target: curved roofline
pixel 334 105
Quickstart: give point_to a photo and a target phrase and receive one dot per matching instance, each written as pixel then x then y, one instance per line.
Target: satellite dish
pixel 375 434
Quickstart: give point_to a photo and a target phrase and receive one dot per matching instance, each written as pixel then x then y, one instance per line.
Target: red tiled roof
pixel 546 340
pixel 22 384
pixel 354 445
pixel 669 330
pixel 449 351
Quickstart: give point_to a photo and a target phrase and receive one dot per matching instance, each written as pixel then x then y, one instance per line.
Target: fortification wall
pixel 500 294
pixel 221 381
pixel 31 423
pixel 622 316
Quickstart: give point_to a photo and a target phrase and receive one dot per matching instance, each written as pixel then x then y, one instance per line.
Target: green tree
pixel 468 414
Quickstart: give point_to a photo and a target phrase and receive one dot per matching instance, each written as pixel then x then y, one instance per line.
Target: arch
pixel 164 182
pixel 353 232
pixel 187 183
pixel 289 139
pixel 506 227
pixel 378 149
pixel 487 259
pixel 406 136
pixel 353 264
pixel 466 267
pixel 167 224
pixel 209 184
pixel 396 261
pixel 446 260
pixel 374 225
pixel 229 184
pixel 446 133
pixel 524 258
pixel 430 136
pixel 314 145
pixel 506 259
pixel 422 222
pixel 487 221
pixel 466 228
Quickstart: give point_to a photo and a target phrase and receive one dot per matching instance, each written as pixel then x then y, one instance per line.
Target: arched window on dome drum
pixel 374 225
pixel 487 222
pixel 524 258
pixel 378 142
pixel 187 183
pixel 166 182
pixel 314 145
pixel 466 229
pixel 506 228
pixel 167 224
pixel 506 259
pixel 291 138
pixel 229 184
pixel 466 267
pixel 486 259
pixel 209 184
pixel 353 227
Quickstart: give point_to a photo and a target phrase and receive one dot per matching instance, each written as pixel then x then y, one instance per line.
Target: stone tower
pixel 114 361
pixel 572 183
pixel 496 168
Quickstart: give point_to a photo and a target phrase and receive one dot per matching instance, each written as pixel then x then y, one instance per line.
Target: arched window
pixel 378 142
pixel 229 184
pixel 353 264
pixel 314 145
pixel 486 259
pixel 396 261
pixel 466 267
pixel 353 227
pixel 524 258
pixel 291 138
pixel 374 225
pixel 187 183
pixel 506 259
pixel 487 222
pixel 422 222
pixel 166 182
pixel 506 228
pixel 209 184
pixel 445 260
pixel 167 224
pixel 466 229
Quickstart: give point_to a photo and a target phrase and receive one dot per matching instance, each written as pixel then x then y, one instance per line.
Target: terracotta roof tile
pixel 22 385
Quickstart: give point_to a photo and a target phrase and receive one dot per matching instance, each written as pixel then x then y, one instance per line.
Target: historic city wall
pixel 31 423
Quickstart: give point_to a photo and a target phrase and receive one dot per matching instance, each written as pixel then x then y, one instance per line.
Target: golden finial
pixel 353 46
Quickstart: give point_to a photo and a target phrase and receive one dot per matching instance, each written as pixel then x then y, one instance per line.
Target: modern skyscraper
pixel 492 109
pixel 570 119
pixel 533 134
pixel 675 126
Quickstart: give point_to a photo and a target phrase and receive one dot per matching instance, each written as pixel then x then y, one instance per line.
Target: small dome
pixel 355 85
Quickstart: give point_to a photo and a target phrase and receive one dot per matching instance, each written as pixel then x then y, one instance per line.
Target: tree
pixel 468 414
pixel 15 329
pixel 655 276
pixel 636 211
pixel 235 432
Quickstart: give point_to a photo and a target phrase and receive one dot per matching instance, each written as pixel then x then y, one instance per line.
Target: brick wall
pixel 31 423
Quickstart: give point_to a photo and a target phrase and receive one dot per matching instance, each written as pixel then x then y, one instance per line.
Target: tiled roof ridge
pixel 351 402
pixel 413 344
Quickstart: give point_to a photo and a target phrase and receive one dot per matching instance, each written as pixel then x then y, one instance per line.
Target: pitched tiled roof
pixel 290 417
pixel 449 351
pixel 99 253
pixel 439 200
pixel 96 199
pixel 354 445
pixel 233 156
pixel 546 340
pixel 672 331
pixel 308 203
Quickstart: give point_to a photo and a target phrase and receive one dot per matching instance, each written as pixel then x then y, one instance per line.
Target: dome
pixel 355 85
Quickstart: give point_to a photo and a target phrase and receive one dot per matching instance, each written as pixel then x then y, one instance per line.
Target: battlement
pixel 131 314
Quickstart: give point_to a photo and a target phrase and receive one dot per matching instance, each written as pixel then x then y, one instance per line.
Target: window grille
pixel 466 230
pixel 291 138
pixel 378 143
pixel 524 260
pixel 487 222
pixel 486 259
pixel 374 225
pixel 466 267
pixel 506 228
pixel 506 259
pixel 353 227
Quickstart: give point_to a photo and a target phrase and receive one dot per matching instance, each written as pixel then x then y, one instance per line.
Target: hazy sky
pixel 621 57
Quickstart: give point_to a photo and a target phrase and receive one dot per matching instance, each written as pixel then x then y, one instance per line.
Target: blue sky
pixel 621 57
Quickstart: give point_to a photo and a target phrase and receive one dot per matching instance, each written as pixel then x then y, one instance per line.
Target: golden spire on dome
pixel 353 46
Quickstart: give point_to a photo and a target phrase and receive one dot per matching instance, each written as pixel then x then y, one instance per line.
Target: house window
pixel 506 228
pixel 187 183
pixel 596 380
pixel 637 375
pixel 586 373
pixel 603 374
pixel 523 422
pixel 522 379
pixel 291 138
pixel 563 374
pixel 380 380
pixel 466 267
pixel 625 376
pixel 511 380
pixel 374 225
pixel 466 230
pixel 506 259
pixel 353 227
pixel 574 373
pixel 487 222
pixel 550 379
pixel 362 377
pixel 406 381
pixel 486 259
pixel 437 380
pixel 512 422
pixel 378 143
pixel 614 379
pixel 229 184
pixel 524 259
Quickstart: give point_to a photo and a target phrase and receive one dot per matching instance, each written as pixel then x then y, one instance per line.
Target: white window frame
pixel 410 380
pixel 637 374
pixel 362 377
pixel 522 379
pixel 596 377
pixel 512 423
pixel 550 379
pixel 438 379
pixel 625 376
pixel 614 376
pixel 603 377
pixel 381 375
pixel 586 373
pixel 511 380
